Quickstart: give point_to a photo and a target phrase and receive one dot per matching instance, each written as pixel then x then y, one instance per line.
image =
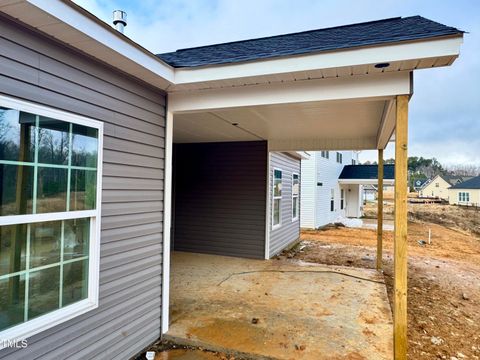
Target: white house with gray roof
pixel 332 187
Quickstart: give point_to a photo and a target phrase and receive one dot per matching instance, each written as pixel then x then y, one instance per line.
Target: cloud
pixel 444 111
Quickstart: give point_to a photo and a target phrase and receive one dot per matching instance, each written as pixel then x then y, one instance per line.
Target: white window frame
pixel 339 157
pixel 325 154
pixel 332 200
pixel 56 317
pixel 276 226
pixel 296 198
pixel 342 199
pixel 463 197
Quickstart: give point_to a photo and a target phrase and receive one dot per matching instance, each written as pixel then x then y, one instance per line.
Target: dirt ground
pixel 443 282
pixel 460 218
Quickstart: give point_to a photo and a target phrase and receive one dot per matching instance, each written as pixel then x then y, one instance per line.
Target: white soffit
pixel 72 25
pixel 322 125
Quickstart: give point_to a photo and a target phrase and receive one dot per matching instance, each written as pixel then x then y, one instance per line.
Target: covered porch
pixel 355 113
pixel 348 98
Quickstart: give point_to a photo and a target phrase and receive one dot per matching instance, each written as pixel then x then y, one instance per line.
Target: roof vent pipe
pixel 119 20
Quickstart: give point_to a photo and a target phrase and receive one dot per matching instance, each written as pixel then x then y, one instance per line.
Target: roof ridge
pixel 294 33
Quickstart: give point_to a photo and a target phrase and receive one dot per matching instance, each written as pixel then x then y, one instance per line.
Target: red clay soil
pixel 443 282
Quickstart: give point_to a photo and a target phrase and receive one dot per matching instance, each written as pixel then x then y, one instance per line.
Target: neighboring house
pixel 321 193
pixel 465 193
pixel 419 184
pixel 437 187
pixel 332 187
pixel 93 191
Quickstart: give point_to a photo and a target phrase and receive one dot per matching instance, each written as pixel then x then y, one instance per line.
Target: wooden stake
pixel 380 210
pixel 400 246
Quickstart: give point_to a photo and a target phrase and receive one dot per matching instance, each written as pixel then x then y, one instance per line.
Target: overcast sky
pixel 445 109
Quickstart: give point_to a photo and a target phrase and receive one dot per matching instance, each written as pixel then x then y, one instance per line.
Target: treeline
pixel 420 168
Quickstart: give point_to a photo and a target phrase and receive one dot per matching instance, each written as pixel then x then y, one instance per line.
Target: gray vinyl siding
pixel 289 231
pixel 219 198
pixel 128 318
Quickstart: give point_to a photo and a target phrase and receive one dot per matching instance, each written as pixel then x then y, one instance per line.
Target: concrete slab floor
pixel 279 310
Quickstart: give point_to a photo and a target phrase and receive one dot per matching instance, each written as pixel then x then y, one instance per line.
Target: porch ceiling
pixel 339 124
pixel 353 113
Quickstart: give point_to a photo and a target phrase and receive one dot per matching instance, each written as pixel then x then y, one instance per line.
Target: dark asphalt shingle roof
pixel 328 39
pixel 473 183
pixel 367 172
pixel 454 179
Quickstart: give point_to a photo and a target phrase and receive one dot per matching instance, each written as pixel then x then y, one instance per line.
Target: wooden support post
pixel 380 210
pixel 400 245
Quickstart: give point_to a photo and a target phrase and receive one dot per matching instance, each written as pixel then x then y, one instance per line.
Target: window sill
pixel 45 322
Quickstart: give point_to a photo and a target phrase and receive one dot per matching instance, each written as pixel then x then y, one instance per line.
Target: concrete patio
pixel 279 310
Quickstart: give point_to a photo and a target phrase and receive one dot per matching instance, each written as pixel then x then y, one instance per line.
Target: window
pixel 325 154
pixel 463 197
pixel 277 198
pixel 50 171
pixel 339 158
pixel 332 200
pixel 354 162
pixel 437 184
pixel 342 198
pixel 295 196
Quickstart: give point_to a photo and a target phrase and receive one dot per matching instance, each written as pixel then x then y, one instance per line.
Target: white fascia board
pixel 380 85
pixel 69 15
pixel 365 181
pixel 369 55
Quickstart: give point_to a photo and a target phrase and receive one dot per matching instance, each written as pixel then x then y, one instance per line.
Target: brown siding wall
pixel 220 202
pixel 39 70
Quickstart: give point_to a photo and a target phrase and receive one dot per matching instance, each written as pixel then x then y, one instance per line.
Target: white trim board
pixel 167 220
pixel 378 86
pixel 268 208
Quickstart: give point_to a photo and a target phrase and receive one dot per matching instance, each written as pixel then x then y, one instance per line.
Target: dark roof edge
pixel 459 32
pixel 285 34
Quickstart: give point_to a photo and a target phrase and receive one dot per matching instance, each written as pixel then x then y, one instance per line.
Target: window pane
pixel 53 140
pixel 52 190
pixel 295 207
pixel 13 240
pixel 75 282
pixel 12 301
pixel 295 185
pixel 16 135
pixel 276 212
pixel 45 240
pixel 83 190
pixel 16 189
pixel 43 294
pixel 84 146
pixel 277 183
pixel 76 238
